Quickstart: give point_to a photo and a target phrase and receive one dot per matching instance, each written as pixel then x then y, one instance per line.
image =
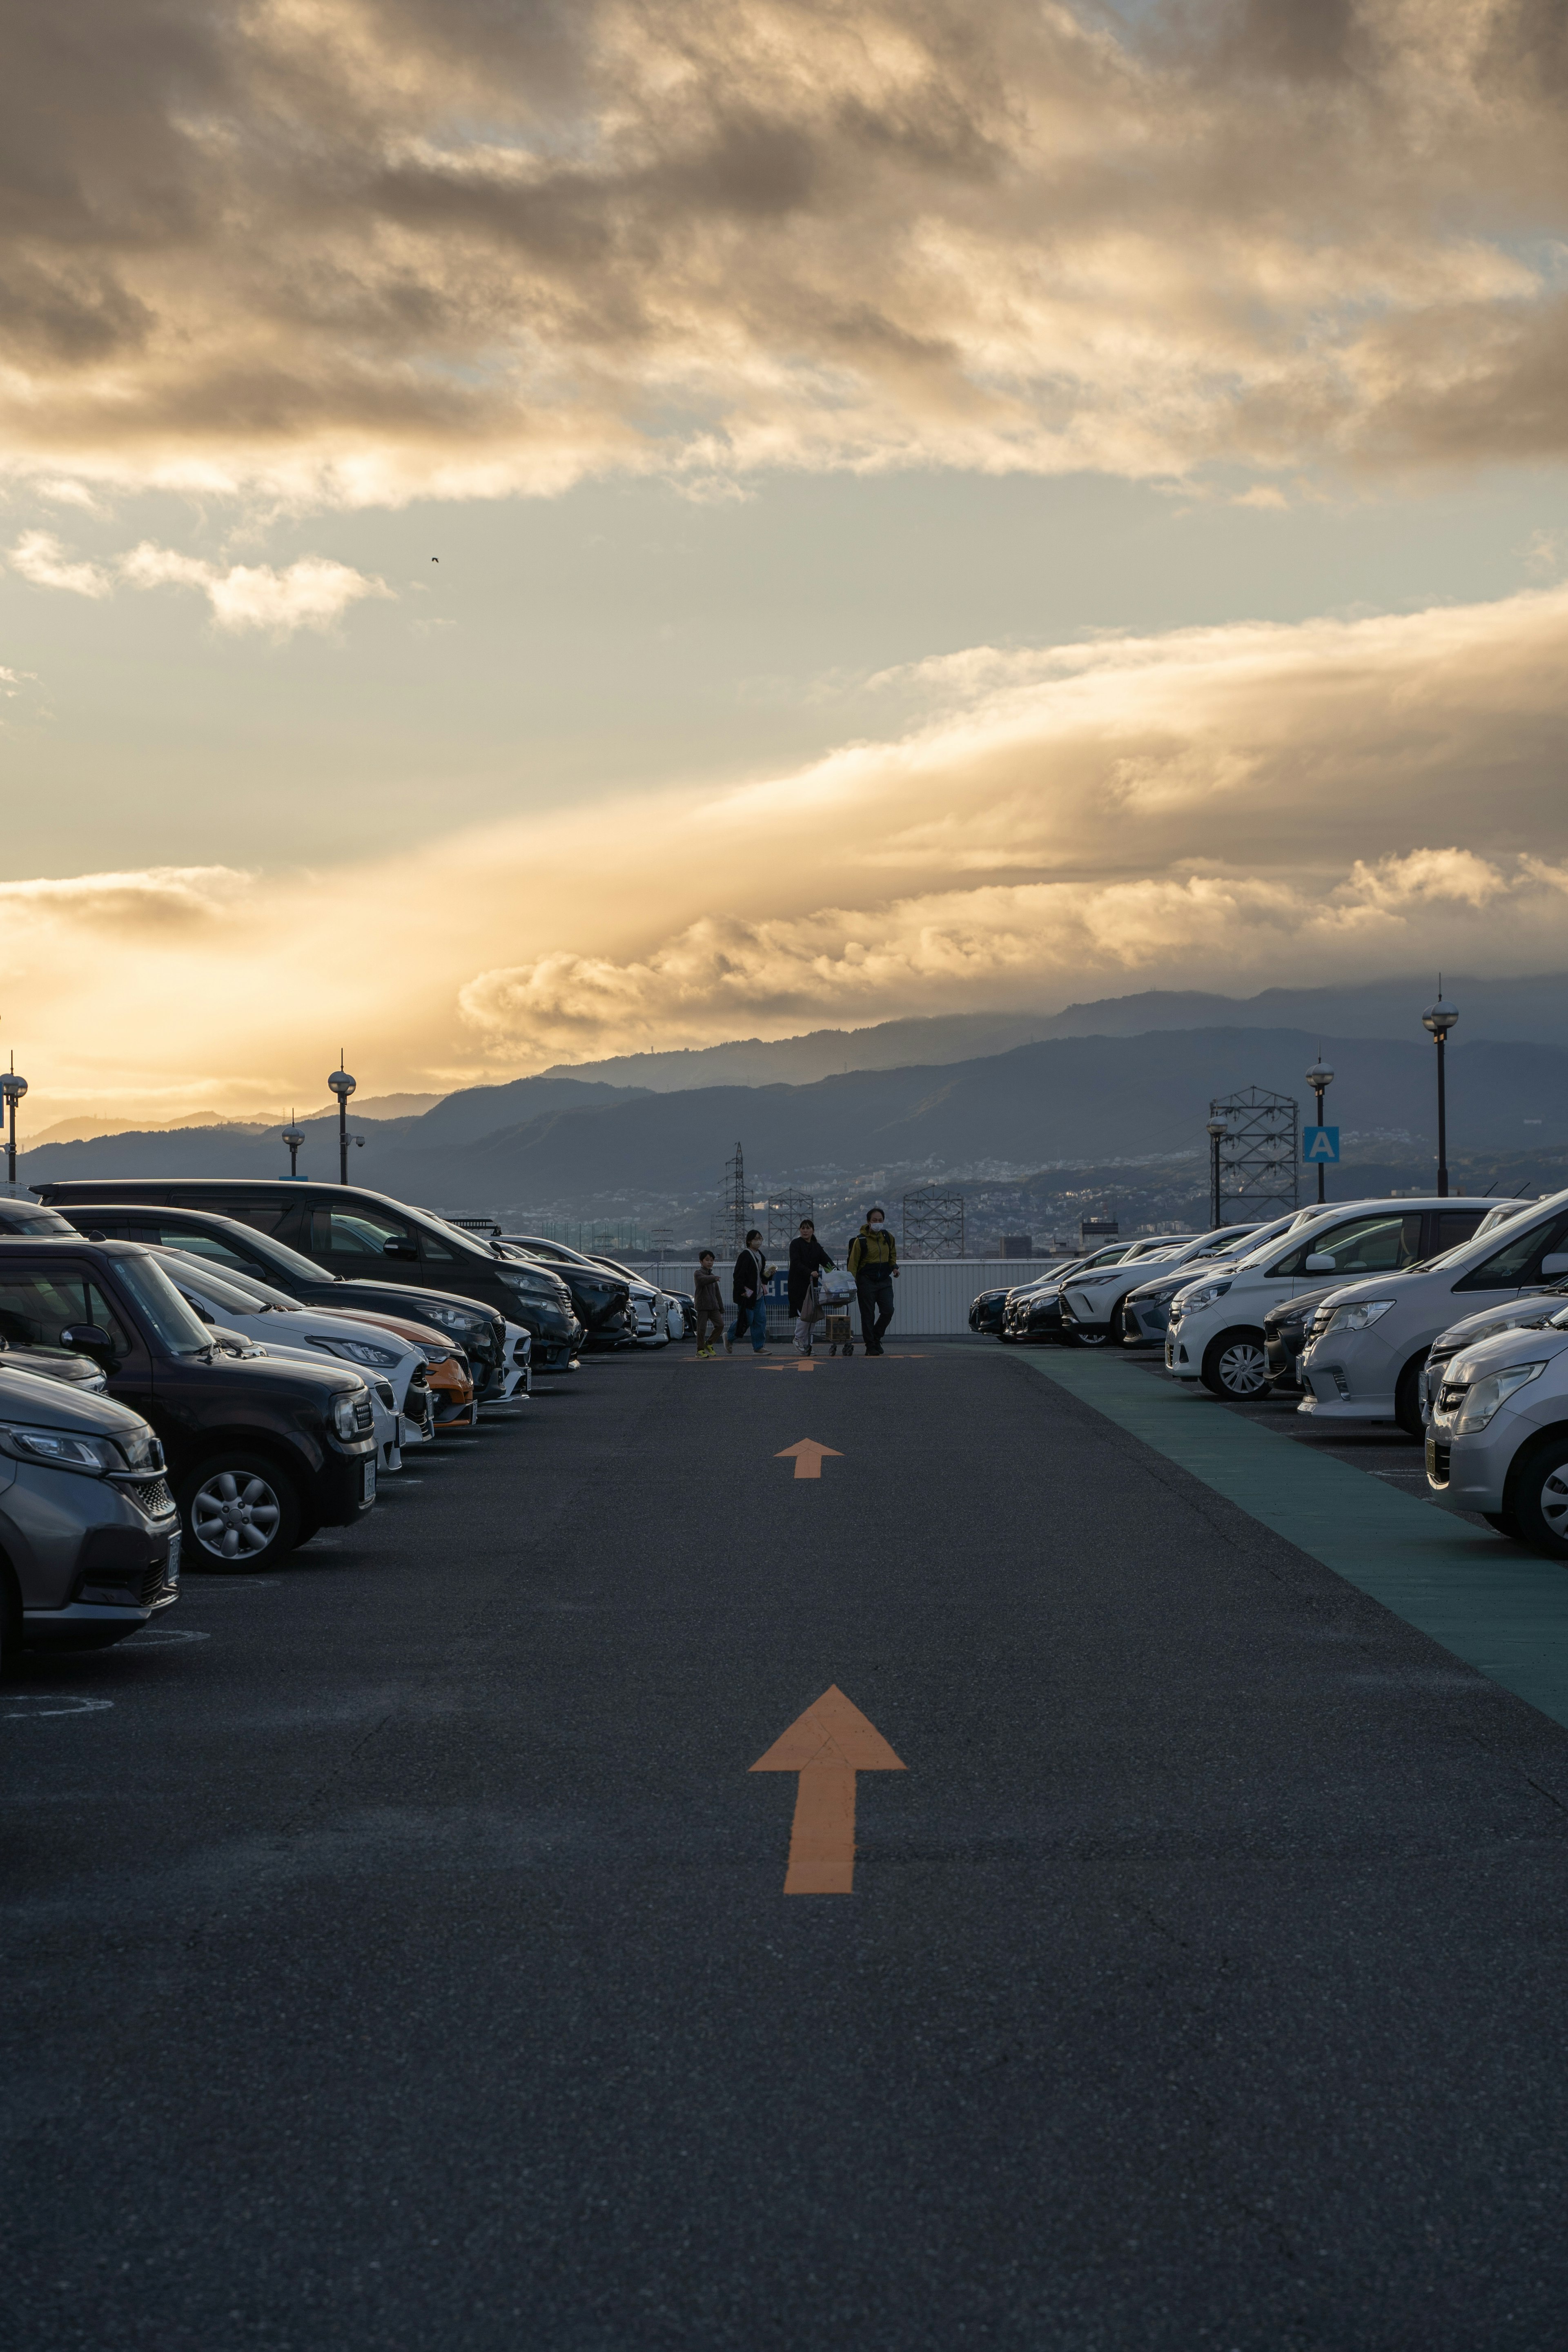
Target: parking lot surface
pixel 398 1954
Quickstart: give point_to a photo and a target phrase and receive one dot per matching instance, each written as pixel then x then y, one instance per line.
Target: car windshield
pixel 162 1307
pixel 212 1288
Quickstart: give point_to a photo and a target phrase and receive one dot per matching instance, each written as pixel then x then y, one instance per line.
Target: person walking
pixel 751 1272
pixel 709 1301
pixel 807 1259
pixel 874 1262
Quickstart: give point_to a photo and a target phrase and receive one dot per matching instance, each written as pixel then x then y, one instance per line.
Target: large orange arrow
pixel 826 1746
pixel 808 1456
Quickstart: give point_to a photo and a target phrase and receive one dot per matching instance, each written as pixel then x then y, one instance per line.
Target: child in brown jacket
pixel 710 1303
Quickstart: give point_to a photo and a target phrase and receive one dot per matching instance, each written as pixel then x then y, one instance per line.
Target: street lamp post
pixel 1216 1128
pixel 293 1137
pixel 11 1088
pixel 342 1086
pixel 1439 1019
pixel 1319 1077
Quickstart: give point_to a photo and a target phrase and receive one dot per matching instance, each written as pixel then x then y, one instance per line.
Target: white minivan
pixel 1215 1333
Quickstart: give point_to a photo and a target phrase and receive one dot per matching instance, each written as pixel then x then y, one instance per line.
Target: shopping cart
pixel 837 1292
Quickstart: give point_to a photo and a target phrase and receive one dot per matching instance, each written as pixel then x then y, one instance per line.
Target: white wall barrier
pixel 932 1296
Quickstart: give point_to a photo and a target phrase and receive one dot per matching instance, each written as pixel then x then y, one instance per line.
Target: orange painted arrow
pixel 826 1746
pixel 808 1456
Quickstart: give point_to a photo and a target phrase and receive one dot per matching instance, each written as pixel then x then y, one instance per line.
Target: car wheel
pixel 238 1510
pixel 1538 1496
pixel 1407 1399
pixel 1080 1337
pixel 1235 1366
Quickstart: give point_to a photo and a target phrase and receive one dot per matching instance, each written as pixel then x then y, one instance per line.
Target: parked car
pixel 986 1313
pixel 1215 1333
pixel 76 1372
pixel 89 1537
pixel 1498 1440
pixel 1531 1311
pixel 1287 1331
pixel 360 1237
pixel 1092 1300
pixel 260 1455
pixel 477 1331
pixel 1036 1315
pixel 1019 1300
pixel 600 1297
pixel 389 1368
pixel 1146 1310
pixel 1369 1342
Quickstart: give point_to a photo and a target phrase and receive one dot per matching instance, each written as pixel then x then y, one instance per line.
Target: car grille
pixel 1436 1461
pixel 152 1495
pixel 152 1583
pixel 364 1413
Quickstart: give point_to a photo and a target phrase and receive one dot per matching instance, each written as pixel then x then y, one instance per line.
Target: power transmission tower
pixel 933 1224
pixel 783 1212
pixel 1259 1152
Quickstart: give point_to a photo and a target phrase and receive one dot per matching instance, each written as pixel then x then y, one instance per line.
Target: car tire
pixel 1080 1337
pixel 1506 1525
pixel 1407 1398
pixel 1537 1499
pixel 239 1512
pixel 1235 1366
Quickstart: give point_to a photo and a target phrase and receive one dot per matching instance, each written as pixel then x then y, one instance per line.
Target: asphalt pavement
pixel 397 1952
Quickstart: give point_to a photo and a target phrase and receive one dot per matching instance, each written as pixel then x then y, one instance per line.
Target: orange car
pixel 452 1400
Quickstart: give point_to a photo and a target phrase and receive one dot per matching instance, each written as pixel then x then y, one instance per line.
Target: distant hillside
pixel 1071 1100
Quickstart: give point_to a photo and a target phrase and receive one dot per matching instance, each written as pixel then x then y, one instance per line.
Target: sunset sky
pixel 935 506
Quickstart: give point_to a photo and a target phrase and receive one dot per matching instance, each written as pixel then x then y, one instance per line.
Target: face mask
pixel 876 1224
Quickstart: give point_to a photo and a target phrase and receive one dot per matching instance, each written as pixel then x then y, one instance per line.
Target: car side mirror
pixel 1319 1262
pixel 1554 1262
pixel 393 1247
pixel 88 1339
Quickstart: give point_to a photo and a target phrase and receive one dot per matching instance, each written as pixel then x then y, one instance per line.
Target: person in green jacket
pixel 873 1261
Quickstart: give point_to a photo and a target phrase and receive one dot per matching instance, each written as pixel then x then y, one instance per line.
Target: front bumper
pixel 1144 1326
pixel 1470 1474
pixel 345 1486
pixel 139 1563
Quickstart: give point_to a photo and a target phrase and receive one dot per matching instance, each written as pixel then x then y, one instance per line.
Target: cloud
pixel 1205 808
pixel 41 560
pixel 310 593
pixel 372 249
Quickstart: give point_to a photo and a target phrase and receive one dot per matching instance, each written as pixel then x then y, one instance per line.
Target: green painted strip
pixel 1499 1608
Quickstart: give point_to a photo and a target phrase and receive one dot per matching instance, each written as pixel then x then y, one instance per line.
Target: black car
pixel 1286 1329
pixel 260 1455
pixel 986 1313
pixel 478 1330
pixel 601 1293
pixel 359 1237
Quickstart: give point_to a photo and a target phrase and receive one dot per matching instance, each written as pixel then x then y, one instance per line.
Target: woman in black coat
pixel 807 1259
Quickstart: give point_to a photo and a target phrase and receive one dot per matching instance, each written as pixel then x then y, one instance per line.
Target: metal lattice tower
pixel 933 1224
pixel 782 1213
pixel 1259 1154
pixel 735 1211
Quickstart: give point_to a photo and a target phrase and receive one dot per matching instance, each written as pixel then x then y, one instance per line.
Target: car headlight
pixel 344 1416
pixel 62 1450
pixel 1479 1404
pixel 360 1352
pixel 1359 1316
pixel 452 1318
pixel 433 1355
pixel 1192 1302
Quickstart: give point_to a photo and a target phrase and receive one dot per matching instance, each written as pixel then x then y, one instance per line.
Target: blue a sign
pixel 1320 1145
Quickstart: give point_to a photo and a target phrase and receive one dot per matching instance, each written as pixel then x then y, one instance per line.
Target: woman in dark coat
pixel 807 1259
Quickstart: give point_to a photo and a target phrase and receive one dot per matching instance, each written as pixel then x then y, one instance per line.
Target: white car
pixel 388 1365
pixel 1531 1311
pixel 1369 1342
pixel 1215 1333
pixel 1091 1301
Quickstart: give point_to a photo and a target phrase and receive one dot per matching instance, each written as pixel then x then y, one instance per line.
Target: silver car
pixel 87 1525
pixel 1498 1440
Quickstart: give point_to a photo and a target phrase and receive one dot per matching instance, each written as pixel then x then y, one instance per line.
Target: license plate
pixel 171 1565
pixel 367 1481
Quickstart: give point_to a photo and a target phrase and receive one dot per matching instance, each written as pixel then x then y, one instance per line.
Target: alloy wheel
pixel 1242 1368
pixel 233 1516
pixel 1554 1501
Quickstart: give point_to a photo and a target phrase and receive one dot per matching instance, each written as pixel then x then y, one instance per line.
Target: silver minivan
pixel 89 1537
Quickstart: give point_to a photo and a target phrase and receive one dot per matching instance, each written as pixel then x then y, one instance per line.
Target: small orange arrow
pixel 808 1456
pixel 826 1746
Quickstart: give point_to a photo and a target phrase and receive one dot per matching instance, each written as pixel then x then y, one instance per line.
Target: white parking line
pixel 28 1706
